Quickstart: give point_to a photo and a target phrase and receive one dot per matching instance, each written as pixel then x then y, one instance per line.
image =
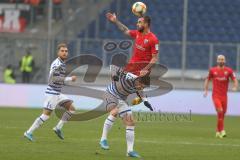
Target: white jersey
pixel 56 77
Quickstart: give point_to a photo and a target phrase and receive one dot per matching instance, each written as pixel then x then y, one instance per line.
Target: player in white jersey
pixel 123 84
pixel 56 81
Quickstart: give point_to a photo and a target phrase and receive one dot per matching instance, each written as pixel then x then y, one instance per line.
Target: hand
pixel 143 72
pixel 148 105
pixel 111 17
pixel 234 89
pixel 74 78
pixel 205 93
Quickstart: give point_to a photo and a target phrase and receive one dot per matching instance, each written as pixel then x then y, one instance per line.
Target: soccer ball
pixel 136 101
pixel 139 9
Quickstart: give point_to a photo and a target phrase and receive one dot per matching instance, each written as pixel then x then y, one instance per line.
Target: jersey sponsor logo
pixel 221 78
pixel 146 41
pixel 140 47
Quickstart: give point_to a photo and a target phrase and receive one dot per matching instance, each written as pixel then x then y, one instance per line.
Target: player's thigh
pixel 110 103
pixel 125 112
pixel 224 104
pixel 128 119
pixel 64 101
pixel 218 103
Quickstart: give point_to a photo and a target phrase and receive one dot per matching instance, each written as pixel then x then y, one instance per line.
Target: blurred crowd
pixel 39 8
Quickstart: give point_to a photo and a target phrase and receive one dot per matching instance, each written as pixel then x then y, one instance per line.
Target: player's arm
pixel 235 85
pixel 154 51
pixel 235 81
pixel 206 83
pixel 113 18
pixel 55 76
pixel 70 79
pixel 146 69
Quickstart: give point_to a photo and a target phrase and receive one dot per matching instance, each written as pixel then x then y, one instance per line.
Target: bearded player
pixel 146 45
pixel 54 97
pixel 145 55
pixel 220 76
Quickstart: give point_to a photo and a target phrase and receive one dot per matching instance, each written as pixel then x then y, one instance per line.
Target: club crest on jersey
pixel 146 41
pixel 215 73
pixel 226 73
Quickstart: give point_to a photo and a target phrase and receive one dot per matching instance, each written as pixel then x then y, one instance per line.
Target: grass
pixel 178 140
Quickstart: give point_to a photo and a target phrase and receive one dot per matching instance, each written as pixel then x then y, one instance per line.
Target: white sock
pixel 130 138
pixel 65 117
pixel 107 126
pixel 37 123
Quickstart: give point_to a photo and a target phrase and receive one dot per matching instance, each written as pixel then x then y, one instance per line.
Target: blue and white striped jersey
pixel 123 87
pixel 56 77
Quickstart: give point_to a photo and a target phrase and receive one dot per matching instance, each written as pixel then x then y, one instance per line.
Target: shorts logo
pixel 156 47
pixel 140 47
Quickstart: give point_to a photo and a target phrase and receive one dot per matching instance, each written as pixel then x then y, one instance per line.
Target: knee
pixel 113 111
pixel 47 112
pixel 72 108
pixel 69 106
pixel 128 120
pixel 44 117
pixel 219 110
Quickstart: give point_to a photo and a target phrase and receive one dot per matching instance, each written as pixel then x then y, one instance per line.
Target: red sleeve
pixel 210 74
pixel 133 33
pixel 232 75
pixel 155 46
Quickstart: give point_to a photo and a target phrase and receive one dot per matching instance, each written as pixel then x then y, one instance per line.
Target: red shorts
pixel 220 103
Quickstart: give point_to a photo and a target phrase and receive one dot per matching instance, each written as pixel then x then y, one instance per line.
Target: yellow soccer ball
pixel 139 9
pixel 136 101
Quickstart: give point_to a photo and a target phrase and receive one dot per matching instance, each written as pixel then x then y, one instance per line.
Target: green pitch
pixel 156 140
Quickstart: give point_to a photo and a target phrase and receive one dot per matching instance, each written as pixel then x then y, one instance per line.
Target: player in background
pixel 56 81
pixel 220 76
pixel 145 55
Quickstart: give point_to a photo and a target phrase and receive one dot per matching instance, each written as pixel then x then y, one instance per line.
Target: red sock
pixel 223 120
pixel 220 116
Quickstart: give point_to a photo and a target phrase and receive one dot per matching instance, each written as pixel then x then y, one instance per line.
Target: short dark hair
pixel 147 20
pixel 61 45
pixel 144 80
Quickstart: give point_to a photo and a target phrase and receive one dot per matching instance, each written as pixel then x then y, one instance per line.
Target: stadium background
pixel 192 33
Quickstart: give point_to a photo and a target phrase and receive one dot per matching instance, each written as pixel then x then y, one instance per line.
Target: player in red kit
pixel 220 76
pixel 145 55
pixel 146 45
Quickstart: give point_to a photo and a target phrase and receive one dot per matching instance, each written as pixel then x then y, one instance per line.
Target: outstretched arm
pixel 113 18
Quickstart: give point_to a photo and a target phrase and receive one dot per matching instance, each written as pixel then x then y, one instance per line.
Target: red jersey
pixel 220 77
pixel 145 46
